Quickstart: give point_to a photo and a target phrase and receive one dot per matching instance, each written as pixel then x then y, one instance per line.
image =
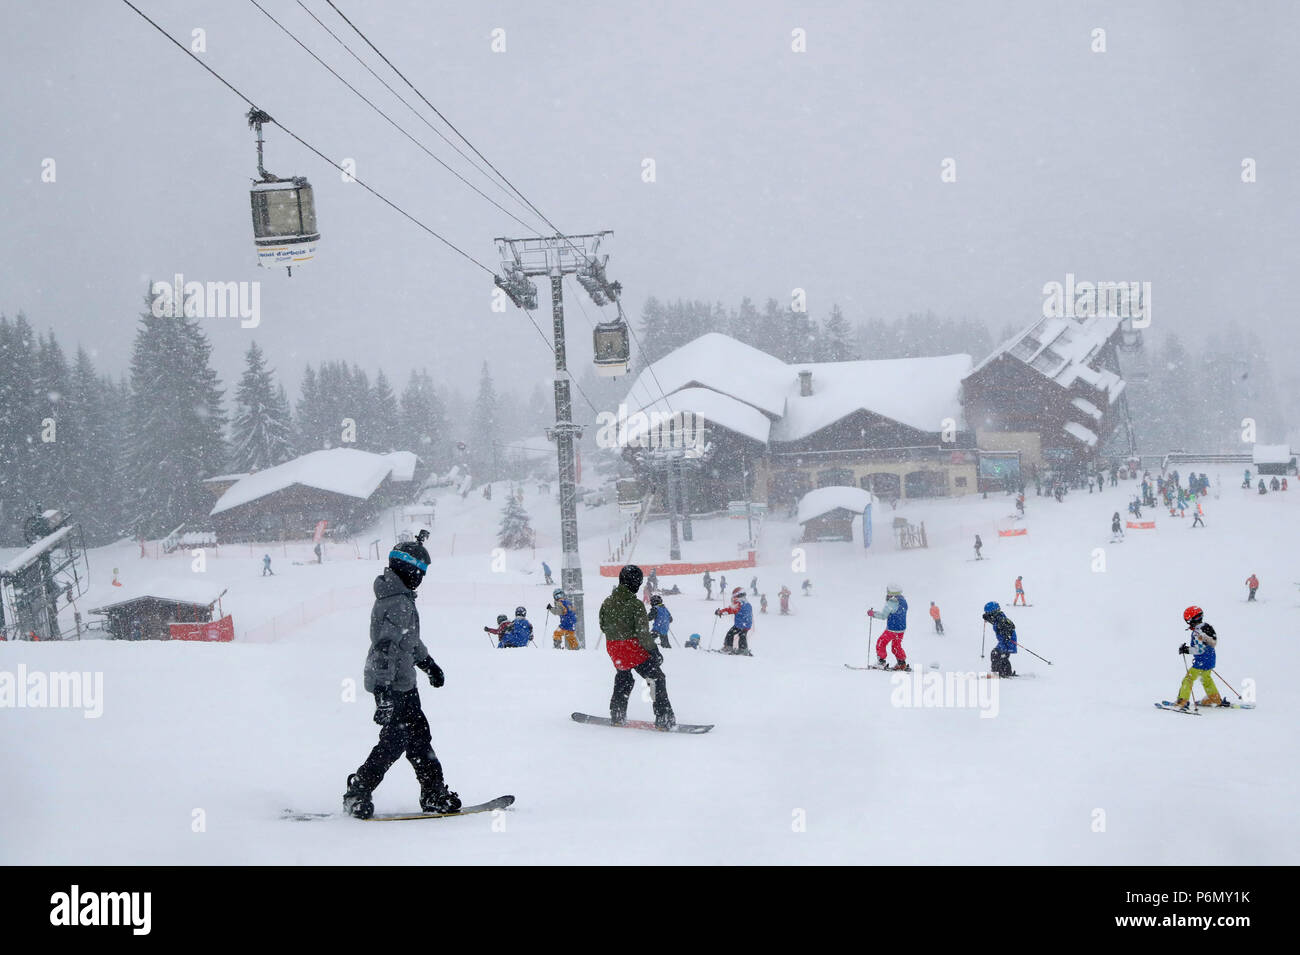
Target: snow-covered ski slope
pixel 809 761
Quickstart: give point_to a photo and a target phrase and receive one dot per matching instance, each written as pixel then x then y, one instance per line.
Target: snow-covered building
pixel 828 513
pixel 340 485
pixel 1049 397
pixel 778 430
pixel 1273 459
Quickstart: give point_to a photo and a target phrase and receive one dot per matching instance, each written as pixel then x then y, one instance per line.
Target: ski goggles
pixel 407 558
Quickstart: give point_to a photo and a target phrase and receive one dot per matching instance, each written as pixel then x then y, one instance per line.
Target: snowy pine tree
pixel 422 424
pixel 176 423
pixel 516 532
pixel 384 419
pixel 262 434
pixel 310 434
pixel 484 454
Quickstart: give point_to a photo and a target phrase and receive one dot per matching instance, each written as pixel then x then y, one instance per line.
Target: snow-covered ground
pixel 809 761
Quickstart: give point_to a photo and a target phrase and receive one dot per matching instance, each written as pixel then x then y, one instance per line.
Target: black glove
pixel 383 707
pixel 1184 649
pixel 718 612
pixel 550 608
pixel 436 676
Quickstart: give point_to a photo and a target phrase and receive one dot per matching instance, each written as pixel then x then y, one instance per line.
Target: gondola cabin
pixel 284 222
pixel 611 348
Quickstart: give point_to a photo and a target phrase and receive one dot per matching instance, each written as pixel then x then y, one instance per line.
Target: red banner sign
pixel 218 631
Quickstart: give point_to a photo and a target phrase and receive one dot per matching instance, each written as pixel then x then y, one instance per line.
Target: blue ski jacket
pixel 896 612
pixel 660 618
pixel 568 618
pixel 517 635
pixel 1203 642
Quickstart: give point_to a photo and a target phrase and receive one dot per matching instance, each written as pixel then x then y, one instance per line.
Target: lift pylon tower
pixel 555 257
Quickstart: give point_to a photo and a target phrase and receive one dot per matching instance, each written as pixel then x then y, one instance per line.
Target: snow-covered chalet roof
pixel 733 385
pixel 1064 350
pixel 714 407
pixel 339 470
pixel 183 590
pixel 1076 430
pixel 826 499
pixel 917 392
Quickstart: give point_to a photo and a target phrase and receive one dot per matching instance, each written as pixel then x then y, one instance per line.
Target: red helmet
pixel 1192 614
pixel 737 593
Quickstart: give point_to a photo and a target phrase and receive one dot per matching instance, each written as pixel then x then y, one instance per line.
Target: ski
pixel 1167 705
pixel 501 802
pixel 1227 705
pixel 876 666
pixel 1014 676
pixel 641 724
pixel 730 653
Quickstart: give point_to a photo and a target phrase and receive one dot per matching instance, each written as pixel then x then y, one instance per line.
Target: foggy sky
pixel 775 170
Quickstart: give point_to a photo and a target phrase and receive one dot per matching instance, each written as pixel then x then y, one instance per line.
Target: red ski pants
pixel 883 643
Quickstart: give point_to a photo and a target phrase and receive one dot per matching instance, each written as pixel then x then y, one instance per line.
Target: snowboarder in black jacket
pixel 396 651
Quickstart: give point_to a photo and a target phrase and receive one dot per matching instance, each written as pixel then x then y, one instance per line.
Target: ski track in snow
pixel 242 731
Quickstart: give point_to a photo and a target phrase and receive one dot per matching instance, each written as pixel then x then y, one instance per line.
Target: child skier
pixel 1020 593
pixel 660 618
pixel 1253 583
pixel 744 621
pixel 266 566
pixel 762 603
pixel 934 615
pixel 895 614
pixel 519 633
pixel 563 608
pixel 807 588
pixel 395 652
pixel 979 545
pixel 631 646
pixel 503 624
pixel 1203 641
pixel 1116 529
pixel 784 594
pixel 1005 631
pixel 1198 517
pixel 708 586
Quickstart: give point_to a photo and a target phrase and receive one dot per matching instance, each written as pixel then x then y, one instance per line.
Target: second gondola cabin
pixel 611 348
pixel 284 222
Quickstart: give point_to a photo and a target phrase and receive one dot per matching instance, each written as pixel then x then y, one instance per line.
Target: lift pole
pixel 555 257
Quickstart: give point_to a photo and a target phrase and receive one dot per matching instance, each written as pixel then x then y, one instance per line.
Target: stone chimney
pixel 805 383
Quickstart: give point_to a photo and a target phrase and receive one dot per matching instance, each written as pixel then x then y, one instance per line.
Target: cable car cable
pixel 309 147
pixel 465 140
pixel 418 115
pixel 393 122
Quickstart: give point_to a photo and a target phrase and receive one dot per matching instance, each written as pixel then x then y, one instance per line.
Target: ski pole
pixel 714 631
pixel 871 623
pixel 1027 650
pixel 1228 685
pixel 983 631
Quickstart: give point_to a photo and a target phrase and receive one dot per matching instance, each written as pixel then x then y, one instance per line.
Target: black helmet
pixel 630 577
pixel 656 600
pixel 410 561
pixel 502 618
pixel 521 612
